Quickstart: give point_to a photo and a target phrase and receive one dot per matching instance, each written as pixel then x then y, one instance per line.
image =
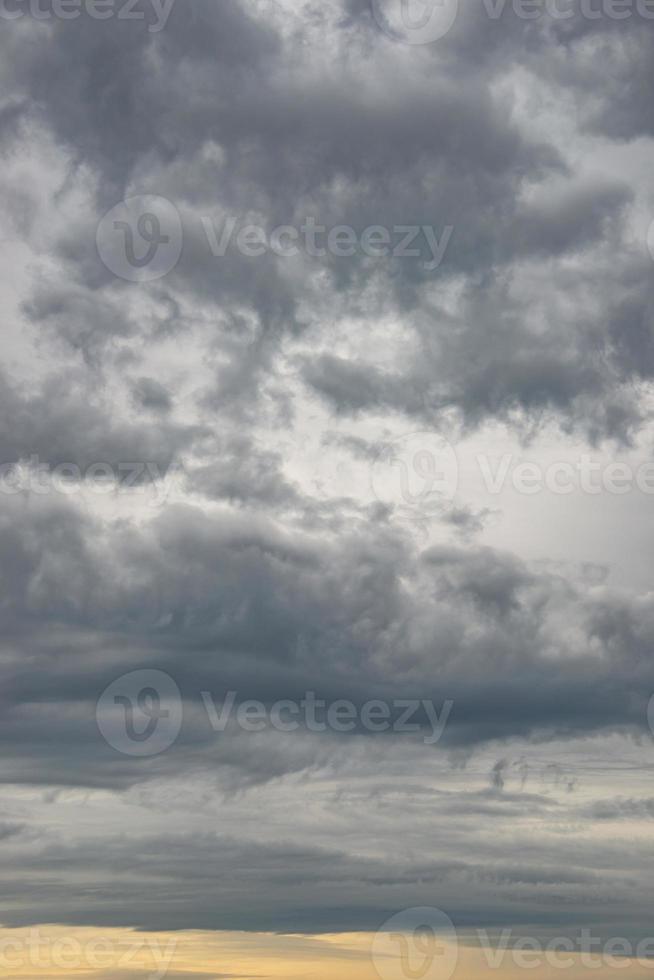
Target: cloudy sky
pixel 328 350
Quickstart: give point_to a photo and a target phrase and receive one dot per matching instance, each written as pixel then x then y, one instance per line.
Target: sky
pixel 326 489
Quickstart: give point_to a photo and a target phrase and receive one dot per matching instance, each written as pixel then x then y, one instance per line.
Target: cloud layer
pixel 250 399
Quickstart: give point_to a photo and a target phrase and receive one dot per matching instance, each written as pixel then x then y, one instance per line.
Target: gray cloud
pixel 269 386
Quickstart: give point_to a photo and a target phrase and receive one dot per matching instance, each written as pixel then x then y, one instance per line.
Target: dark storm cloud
pixel 80 319
pixel 621 809
pixel 9 830
pixel 571 217
pixel 293 142
pixel 97 86
pixel 244 473
pixel 152 395
pixel 493 359
pixel 66 419
pixel 234 603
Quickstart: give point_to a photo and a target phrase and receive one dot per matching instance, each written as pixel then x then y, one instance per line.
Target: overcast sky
pixel 352 396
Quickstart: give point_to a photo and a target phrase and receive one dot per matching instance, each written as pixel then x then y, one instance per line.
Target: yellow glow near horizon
pixel 57 952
